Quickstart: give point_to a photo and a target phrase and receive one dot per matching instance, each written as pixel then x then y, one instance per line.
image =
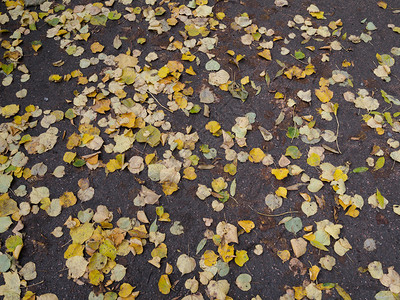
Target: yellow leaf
pixel 256 155
pixel 189 173
pixel 220 15
pixel 241 257
pixel 319 15
pixel 219 184
pixel 55 78
pixel 149 158
pixel 164 285
pixel 314 271
pixel 247 225
pixel 324 94
pixel 299 292
pixel 266 53
pixel 73 250
pixel 96 47
pixel 314 160
pixel 342 292
pixel 280 173
pixel 69 156
pixel 161 251
pixel 231 52
pixel 82 233
pixel 86 138
pixel 230 168
pixel 339 175
pixel 169 187
pixel 245 80
pixel 73 141
pixel 125 290
pixel 284 255
pixel 113 165
pixel 380 130
pixel 76 73
pixel 180 100
pixel 213 127
pixel 29 295
pixel 96 277
pixel 382 4
pixel 67 199
pixel 239 57
pixel 226 252
pixel 346 64
pixel 9 110
pixel 281 192
pixel 353 212
pixel 190 71
pixel 188 56
pixel 210 258
pixel 36 45
pixel 163 72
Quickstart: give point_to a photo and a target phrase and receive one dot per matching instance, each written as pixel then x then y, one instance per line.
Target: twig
pixel 66 244
pixel 159 102
pixel 266 215
pixel 337 132
pixel 37 283
pixel 278 215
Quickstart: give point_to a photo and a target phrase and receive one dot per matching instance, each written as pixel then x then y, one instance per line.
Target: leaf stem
pixel 159 102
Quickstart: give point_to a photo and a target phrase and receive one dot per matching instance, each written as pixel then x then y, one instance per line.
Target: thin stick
pixel 337 133
pixel 40 282
pixel 159 102
pixel 266 215
pixel 278 215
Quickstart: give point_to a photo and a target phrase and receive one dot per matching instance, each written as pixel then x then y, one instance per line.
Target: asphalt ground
pixel 270 276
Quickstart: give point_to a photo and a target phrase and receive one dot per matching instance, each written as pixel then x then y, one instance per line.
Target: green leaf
pixel 224 196
pixel 59 7
pixel 299 55
pixel 380 198
pixel 379 163
pixel 267 79
pixel 238 91
pixel 195 109
pixel 53 22
pixel 293 152
pixel 70 114
pixel 201 245
pixel 390 99
pixel 205 148
pixel 294 225
pixel 292 133
pixel 153 226
pixel 79 163
pixel 114 15
pixel 7 68
pixel 319 245
pixel 149 135
pixel 388 118
pixel 98 20
pixel 5 263
pixel 13 242
pixel 360 170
